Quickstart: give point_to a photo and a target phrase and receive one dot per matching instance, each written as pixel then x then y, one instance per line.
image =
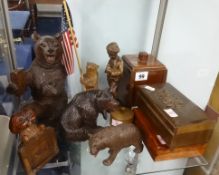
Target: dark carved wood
pixel 80 116
pixel 46 79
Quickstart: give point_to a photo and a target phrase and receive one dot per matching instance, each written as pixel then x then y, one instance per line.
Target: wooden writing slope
pixel 178 120
pixel 212 108
pixel 160 151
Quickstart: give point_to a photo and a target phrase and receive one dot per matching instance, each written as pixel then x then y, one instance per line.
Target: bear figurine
pixel 90 78
pixel 115 138
pixel 46 79
pixel 80 117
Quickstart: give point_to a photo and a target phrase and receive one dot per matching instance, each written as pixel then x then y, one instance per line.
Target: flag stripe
pixel 67 53
pixel 75 38
pixel 67 43
pixel 65 56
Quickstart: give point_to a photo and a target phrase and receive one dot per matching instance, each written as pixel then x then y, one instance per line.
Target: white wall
pixel 189 43
pixel 190 47
pixel 130 23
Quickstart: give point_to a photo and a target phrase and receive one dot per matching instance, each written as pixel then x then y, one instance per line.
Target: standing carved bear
pixel 46 79
pixel 80 117
pixel 115 138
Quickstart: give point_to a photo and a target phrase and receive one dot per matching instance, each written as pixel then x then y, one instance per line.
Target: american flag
pixel 67 43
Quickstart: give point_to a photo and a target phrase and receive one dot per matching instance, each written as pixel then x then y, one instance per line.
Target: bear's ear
pixel 58 36
pixel 97 66
pixel 108 90
pixel 35 36
pixel 89 135
pixel 99 93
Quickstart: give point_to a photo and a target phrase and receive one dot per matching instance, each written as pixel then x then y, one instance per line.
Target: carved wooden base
pixel 38 151
pixel 160 151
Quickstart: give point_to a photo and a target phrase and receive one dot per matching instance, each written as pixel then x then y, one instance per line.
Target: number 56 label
pixel 141 76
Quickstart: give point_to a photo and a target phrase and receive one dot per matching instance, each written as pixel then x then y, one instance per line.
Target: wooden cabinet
pixel 135 73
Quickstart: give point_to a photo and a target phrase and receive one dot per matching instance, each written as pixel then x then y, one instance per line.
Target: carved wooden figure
pixel 46 79
pixel 81 114
pixel 114 68
pixel 115 138
pixel 90 78
pixel 38 144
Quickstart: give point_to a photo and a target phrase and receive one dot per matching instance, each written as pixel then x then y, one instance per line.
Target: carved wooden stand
pixel 38 151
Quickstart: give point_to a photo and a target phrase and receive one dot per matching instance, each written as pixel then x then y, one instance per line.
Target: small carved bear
pixel 115 138
pixel 80 116
pixel 90 78
pixel 46 79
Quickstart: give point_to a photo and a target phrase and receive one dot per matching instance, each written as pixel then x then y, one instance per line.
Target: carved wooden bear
pixel 90 78
pixel 115 138
pixel 80 116
pixel 46 79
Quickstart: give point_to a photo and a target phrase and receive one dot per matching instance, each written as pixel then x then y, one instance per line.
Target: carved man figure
pixel 114 68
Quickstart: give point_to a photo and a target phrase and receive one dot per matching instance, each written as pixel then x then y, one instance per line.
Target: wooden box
pixel 38 151
pixel 176 119
pixel 139 73
pixel 157 149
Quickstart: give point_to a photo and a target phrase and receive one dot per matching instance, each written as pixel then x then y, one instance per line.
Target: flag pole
pixel 72 35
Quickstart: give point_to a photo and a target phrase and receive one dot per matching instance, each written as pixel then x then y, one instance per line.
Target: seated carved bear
pixel 80 117
pixel 46 79
pixel 115 138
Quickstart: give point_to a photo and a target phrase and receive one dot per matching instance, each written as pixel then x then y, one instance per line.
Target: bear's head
pixel 96 143
pixel 22 120
pixel 91 67
pixel 48 49
pixel 105 101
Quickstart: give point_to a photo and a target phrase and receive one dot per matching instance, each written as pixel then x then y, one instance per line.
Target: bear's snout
pixel 112 105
